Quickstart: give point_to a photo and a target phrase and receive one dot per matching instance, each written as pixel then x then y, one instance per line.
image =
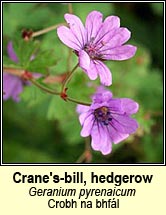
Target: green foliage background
pixel 43 128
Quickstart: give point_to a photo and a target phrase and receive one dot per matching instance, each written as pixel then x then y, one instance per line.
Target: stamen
pixel 103 115
pixel 93 49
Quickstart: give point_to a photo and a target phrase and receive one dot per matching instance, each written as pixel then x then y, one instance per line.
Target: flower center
pixel 103 115
pixel 92 50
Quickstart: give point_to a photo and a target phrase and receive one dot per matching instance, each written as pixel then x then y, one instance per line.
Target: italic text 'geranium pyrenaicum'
pixel 97 42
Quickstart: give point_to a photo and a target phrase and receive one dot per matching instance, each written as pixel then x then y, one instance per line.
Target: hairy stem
pixel 69 59
pixel 68 78
pixel 86 156
pixel 70 8
pixel 13 71
pixel 78 101
pixel 38 33
pixel 47 90
pixel 20 73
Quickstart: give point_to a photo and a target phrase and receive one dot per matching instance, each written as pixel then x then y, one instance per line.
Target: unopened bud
pixel 27 34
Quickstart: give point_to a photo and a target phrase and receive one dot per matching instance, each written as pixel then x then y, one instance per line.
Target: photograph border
pixel 79 164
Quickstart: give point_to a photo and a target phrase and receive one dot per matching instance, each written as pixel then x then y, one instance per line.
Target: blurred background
pixel 44 129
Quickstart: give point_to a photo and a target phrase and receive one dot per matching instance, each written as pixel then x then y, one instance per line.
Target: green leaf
pixel 25 50
pixel 33 96
pixel 59 109
pixel 42 62
pixel 7 62
pixel 86 88
pixel 30 57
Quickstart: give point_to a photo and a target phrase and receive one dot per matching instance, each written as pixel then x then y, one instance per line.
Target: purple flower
pixel 12 87
pixel 97 42
pixel 107 120
pixel 12 84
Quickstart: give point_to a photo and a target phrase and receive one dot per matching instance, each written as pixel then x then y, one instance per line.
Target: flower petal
pixel 100 140
pixel 84 60
pixel 11 53
pixel 93 24
pixel 108 29
pixel 36 75
pixel 119 37
pixel 12 87
pixel 124 124
pixel 115 105
pixel 103 72
pixel 129 106
pixel 82 117
pixel 82 109
pixel 87 125
pixel 17 90
pixel 67 37
pixel 115 135
pixel 77 28
pixel 111 22
pixel 101 95
pixel 87 65
pixel 120 53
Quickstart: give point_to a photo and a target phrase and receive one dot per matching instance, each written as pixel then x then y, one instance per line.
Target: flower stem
pixel 70 9
pixel 69 59
pixel 38 33
pixel 86 156
pixel 20 72
pixel 48 90
pixel 68 78
pixel 43 88
pixel 13 71
pixel 78 102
